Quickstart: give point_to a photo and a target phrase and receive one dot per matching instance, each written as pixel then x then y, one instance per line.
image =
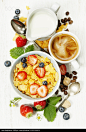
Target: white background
pixel 10 117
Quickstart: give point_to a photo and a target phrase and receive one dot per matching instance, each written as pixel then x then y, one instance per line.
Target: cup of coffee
pixel 65 47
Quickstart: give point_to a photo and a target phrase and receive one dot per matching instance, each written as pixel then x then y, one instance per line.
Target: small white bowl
pixel 41 54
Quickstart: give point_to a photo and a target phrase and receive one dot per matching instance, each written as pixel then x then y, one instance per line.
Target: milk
pixel 41 24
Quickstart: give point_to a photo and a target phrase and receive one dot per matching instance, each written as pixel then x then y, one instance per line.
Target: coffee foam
pixel 64 47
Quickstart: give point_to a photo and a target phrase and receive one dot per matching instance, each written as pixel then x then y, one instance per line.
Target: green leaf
pixel 29 48
pixel 53 100
pixel 17 98
pixel 16 52
pixel 50 113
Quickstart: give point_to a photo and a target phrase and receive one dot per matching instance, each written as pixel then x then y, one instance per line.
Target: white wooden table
pixel 10 117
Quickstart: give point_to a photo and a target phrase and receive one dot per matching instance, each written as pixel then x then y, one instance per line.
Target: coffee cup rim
pixel 69 33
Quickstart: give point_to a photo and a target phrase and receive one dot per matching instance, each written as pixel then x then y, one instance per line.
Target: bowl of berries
pixel 35 76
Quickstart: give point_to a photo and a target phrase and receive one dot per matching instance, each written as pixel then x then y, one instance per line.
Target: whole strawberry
pixel 40 104
pixel 26 111
pixel 21 41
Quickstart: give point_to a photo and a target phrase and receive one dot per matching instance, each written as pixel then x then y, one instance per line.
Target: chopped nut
pixel 66 104
pixel 66 81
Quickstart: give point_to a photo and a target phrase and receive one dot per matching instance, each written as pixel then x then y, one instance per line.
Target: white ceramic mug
pixel 52 11
pixel 73 61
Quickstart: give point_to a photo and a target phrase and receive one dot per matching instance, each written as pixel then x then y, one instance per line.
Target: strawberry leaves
pixel 50 110
pixel 50 113
pixel 18 51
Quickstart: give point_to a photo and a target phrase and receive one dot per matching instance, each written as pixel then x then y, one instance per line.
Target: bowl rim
pixel 55 64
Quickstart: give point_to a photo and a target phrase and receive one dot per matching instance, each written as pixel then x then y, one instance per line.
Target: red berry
pixel 40 72
pixel 32 59
pixel 40 104
pixel 20 41
pixel 42 91
pixel 26 111
pixel 21 75
pixel 63 69
pixel 33 88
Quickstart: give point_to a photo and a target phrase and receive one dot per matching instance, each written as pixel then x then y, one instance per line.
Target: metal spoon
pixel 74 89
pixel 20 28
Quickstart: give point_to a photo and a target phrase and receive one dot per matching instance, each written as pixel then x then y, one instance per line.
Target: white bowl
pixel 41 54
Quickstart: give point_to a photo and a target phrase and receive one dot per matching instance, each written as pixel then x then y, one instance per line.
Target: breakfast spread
pixel 35 76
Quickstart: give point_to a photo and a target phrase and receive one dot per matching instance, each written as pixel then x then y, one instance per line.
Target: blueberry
pixel 61 109
pixel 44 82
pixel 41 64
pixel 17 11
pixel 16 17
pixel 66 116
pixel 24 65
pixel 7 63
pixel 23 60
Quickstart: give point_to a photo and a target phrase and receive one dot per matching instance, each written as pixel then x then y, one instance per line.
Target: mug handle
pixel 75 64
pixel 55 7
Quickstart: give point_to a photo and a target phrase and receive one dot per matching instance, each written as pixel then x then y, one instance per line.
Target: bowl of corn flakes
pixel 35 76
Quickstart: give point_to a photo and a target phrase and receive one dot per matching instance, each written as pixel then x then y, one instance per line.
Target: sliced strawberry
pixel 42 91
pixel 21 75
pixel 26 111
pixel 32 59
pixel 40 72
pixel 33 88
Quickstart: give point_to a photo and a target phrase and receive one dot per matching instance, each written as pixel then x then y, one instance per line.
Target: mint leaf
pixel 53 100
pixel 16 52
pixel 50 113
pixel 29 48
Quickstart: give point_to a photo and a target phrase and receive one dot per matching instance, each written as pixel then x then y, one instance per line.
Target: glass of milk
pixel 42 23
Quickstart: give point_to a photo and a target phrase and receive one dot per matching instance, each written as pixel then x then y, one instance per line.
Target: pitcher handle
pixel 55 7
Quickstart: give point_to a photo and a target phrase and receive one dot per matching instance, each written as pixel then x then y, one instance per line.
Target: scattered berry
pixel 33 88
pixel 17 11
pixel 61 109
pixel 21 41
pixel 40 104
pixel 26 111
pixel 40 72
pixel 42 91
pixel 66 116
pixel 44 83
pixel 16 17
pixel 41 64
pixel 21 75
pixel 32 59
pixel 63 69
pixel 7 63
pixel 24 65
pixel 23 60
